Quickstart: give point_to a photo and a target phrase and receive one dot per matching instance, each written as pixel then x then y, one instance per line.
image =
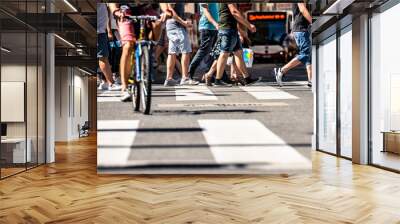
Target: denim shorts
pixel 304 44
pixel 178 39
pixel 102 46
pixel 230 41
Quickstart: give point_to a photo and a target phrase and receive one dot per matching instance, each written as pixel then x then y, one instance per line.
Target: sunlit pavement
pixel 197 129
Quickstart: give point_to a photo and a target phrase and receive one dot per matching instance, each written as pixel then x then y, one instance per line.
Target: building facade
pixel 357 81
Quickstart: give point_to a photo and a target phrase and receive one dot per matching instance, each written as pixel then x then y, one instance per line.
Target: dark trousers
pixel 207 41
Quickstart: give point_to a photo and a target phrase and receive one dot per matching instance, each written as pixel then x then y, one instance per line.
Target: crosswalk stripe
pixel 250 142
pixel 268 93
pixel 108 96
pixel 108 99
pixel 114 141
pixel 194 93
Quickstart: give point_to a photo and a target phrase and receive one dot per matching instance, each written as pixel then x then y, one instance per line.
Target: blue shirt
pixel 204 24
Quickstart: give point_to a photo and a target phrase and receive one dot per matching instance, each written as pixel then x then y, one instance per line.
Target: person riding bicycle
pixel 128 39
pixel 128 31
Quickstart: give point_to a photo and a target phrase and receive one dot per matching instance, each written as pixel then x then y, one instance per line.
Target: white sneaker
pixel 278 76
pixel 115 87
pixel 103 86
pixel 188 81
pixel 170 82
pixel 126 97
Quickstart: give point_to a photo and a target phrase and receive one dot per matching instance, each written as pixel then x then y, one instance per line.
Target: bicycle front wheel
pixel 146 82
pixel 135 92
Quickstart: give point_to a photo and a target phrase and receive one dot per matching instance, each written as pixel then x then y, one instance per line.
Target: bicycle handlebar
pixel 151 18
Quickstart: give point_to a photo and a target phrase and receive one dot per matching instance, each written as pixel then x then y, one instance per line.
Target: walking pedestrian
pixel 103 49
pixel 302 22
pixel 208 27
pixel 229 17
pixel 179 43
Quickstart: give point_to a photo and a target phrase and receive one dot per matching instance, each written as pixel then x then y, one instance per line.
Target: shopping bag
pixel 248 57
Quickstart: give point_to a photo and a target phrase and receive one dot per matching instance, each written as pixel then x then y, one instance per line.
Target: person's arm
pixel 114 7
pixel 238 16
pixel 303 9
pixel 243 35
pixel 109 29
pixel 177 18
pixel 209 16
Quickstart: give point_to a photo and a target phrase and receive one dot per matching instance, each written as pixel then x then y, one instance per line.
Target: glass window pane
pixel 14 153
pixel 385 89
pixel 327 95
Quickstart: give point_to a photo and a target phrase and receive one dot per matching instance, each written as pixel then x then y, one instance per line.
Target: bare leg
pixel 309 72
pixel 171 60
pixel 223 57
pixel 178 66
pixel 126 64
pixel 240 63
pixel 213 68
pixel 233 70
pixel 293 63
pixel 159 51
pixel 106 69
pixel 185 60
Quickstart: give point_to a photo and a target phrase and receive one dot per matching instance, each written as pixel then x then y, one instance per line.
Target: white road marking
pixel 114 139
pixel 196 105
pixel 249 142
pixel 108 99
pixel 108 96
pixel 268 93
pixel 195 93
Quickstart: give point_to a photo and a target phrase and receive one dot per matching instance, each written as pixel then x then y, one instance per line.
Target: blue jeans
pixel 304 44
pixel 207 41
pixel 230 41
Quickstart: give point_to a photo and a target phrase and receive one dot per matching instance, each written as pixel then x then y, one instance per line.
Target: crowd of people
pixel 222 33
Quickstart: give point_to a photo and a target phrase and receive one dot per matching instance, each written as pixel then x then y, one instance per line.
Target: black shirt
pixel 226 19
pixel 300 24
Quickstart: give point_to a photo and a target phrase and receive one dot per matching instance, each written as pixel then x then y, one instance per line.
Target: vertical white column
pixel 50 92
pixel 314 88
pixel 360 90
pixel 50 101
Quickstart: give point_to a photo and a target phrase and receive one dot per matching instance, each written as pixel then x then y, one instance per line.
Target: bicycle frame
pixel 138 52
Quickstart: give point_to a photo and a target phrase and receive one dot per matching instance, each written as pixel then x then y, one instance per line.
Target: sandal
pixel 233 81
pixel 207 79
pixel 240 79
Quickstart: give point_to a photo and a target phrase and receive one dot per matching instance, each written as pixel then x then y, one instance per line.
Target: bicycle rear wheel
pixel 147 79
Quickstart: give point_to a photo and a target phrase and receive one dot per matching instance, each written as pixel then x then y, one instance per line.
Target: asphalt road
pixel 258 129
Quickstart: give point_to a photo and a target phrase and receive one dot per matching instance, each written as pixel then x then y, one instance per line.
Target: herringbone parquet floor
pixel 70 191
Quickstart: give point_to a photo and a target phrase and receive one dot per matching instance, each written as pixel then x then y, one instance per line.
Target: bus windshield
pixel 271 27
pixel 268 32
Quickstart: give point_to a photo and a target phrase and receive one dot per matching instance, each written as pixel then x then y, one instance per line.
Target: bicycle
pixel 144 70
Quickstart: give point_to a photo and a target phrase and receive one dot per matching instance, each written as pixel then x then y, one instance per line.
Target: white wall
pixel 71 102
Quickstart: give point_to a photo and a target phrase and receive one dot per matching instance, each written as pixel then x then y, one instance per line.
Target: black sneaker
pixel 250 81
pixel 220 83
pixel 309 84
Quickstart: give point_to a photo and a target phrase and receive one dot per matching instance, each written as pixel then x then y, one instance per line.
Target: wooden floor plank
pixel 70 191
